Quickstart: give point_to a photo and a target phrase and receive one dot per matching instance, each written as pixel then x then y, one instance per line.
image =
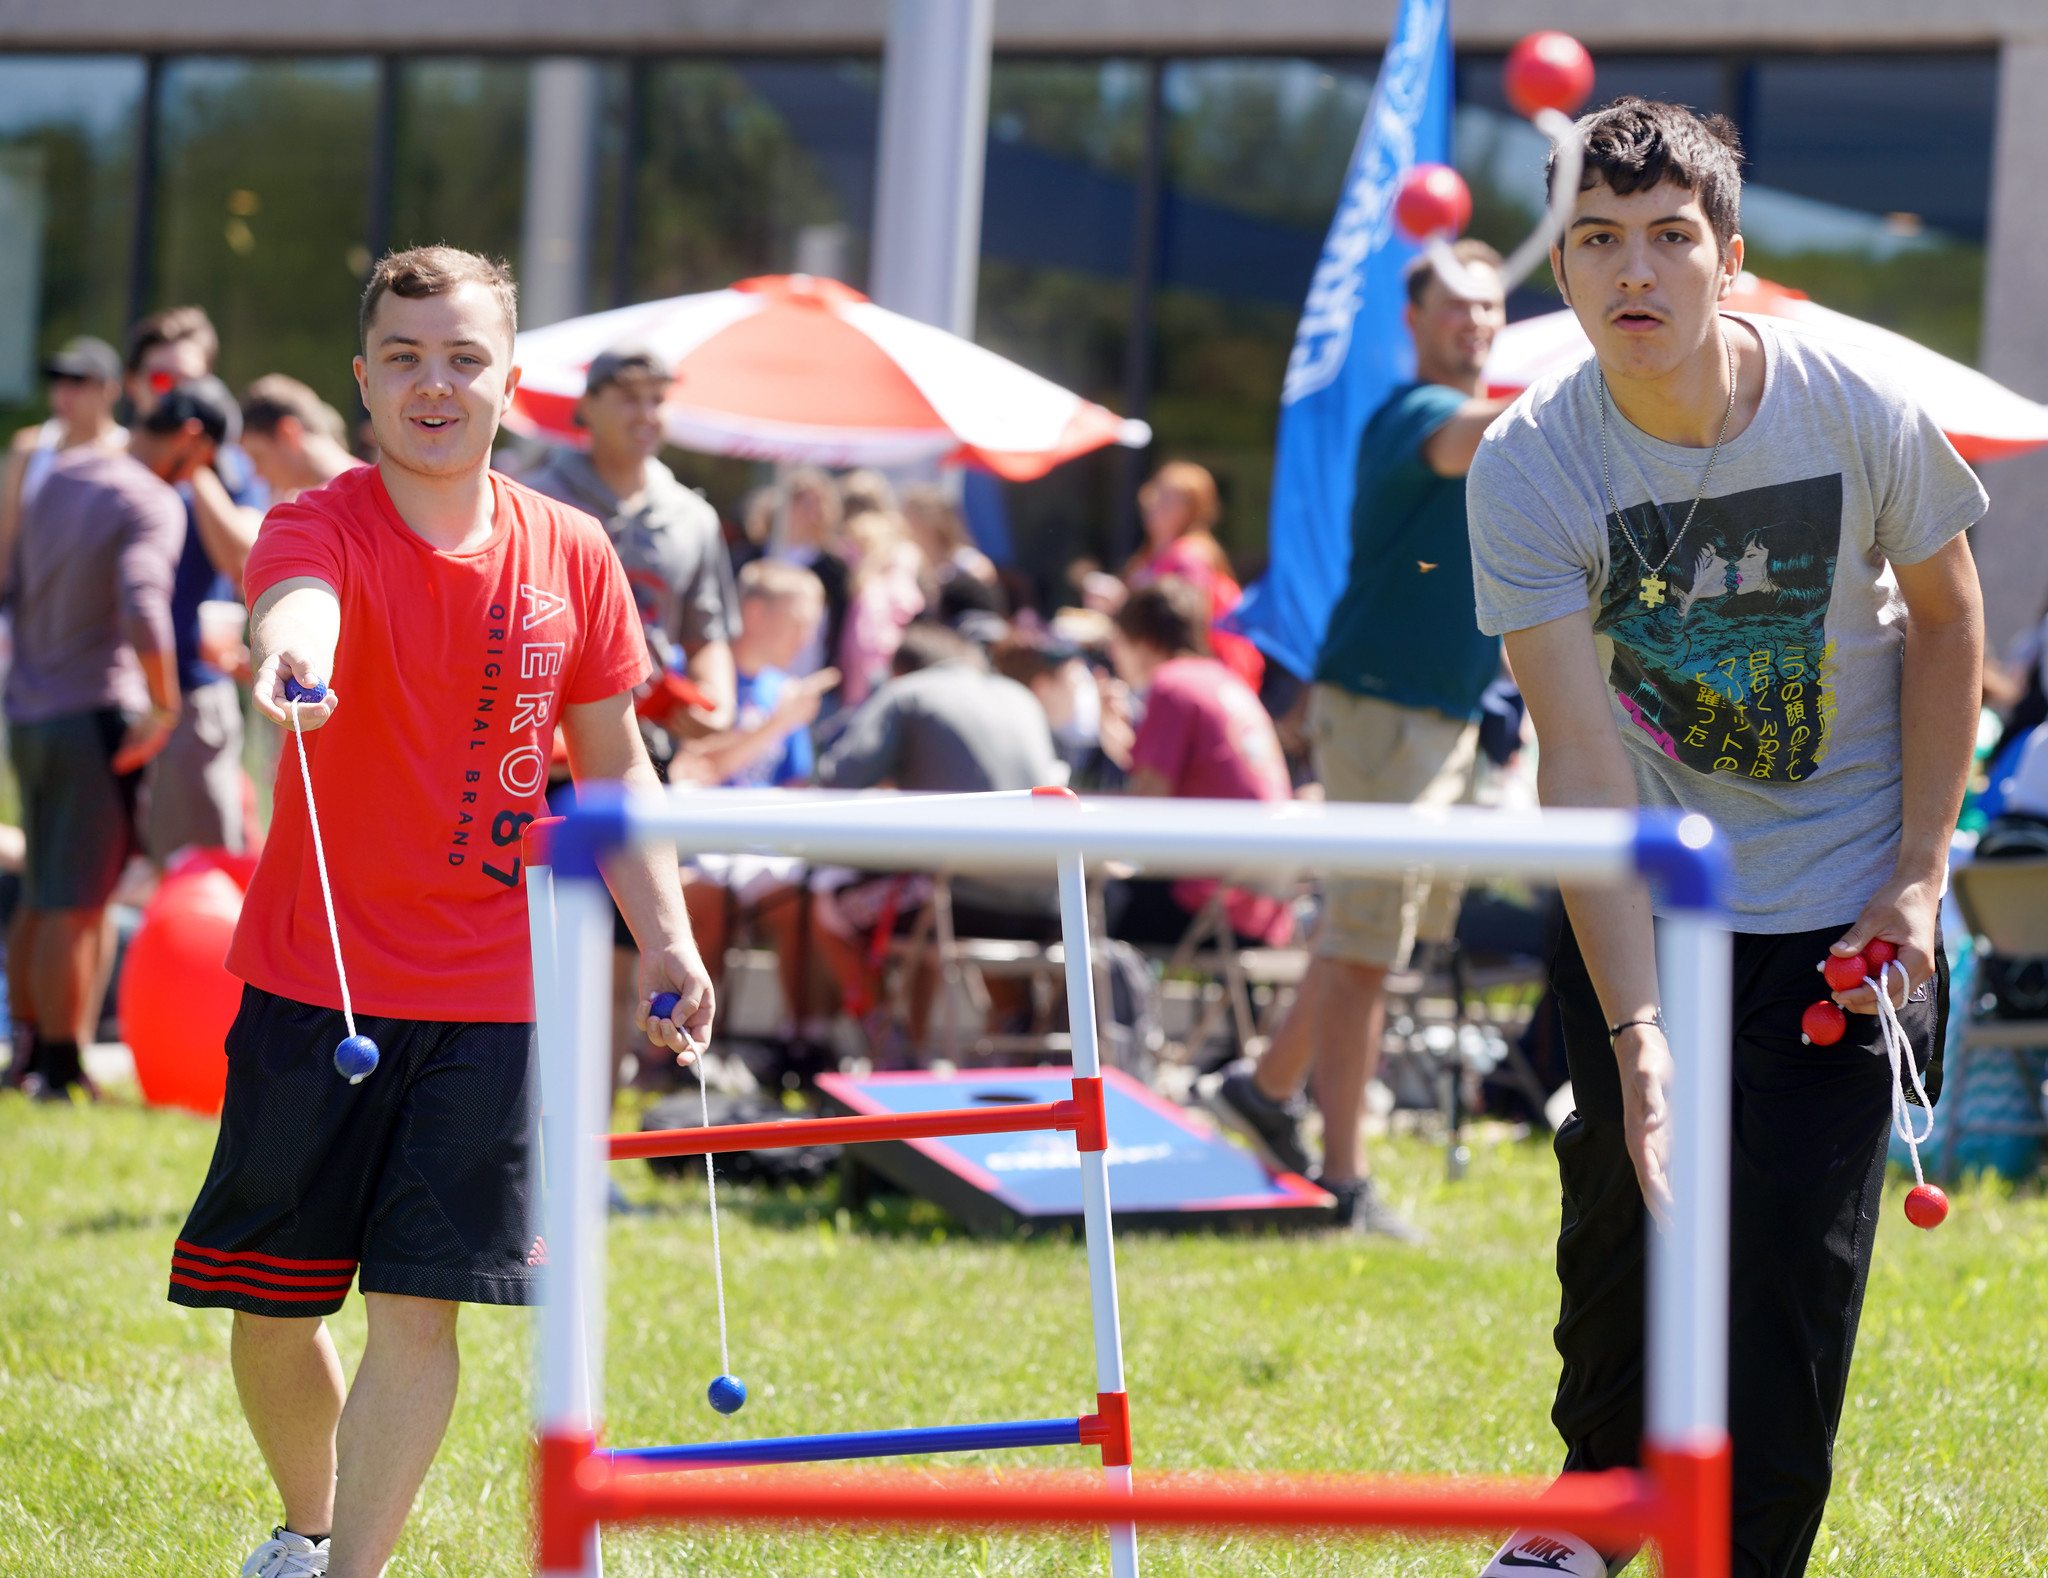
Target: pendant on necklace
pixel 1652 590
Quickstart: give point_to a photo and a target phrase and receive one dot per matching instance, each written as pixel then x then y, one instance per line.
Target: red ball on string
pixel 1845 975
pixel 1926 1205
pixel 1823 1024
pixel 1433 201
pixel 1877 953
pixel 1548 71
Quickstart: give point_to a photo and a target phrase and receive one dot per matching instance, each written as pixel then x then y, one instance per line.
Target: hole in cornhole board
pixel 1165 1169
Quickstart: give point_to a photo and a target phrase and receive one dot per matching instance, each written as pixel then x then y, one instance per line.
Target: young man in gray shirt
pixel 1729 564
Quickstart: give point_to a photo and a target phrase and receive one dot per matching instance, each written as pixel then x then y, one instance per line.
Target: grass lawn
pixel 122 1450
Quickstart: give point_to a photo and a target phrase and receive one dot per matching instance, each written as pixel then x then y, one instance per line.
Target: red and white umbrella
pixel 798 369
pixel 1983 419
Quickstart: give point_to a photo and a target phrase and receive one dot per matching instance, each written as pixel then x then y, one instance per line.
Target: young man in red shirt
pixel 455 619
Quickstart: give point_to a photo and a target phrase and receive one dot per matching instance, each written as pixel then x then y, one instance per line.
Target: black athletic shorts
pixel 78 815
pixel 414 1181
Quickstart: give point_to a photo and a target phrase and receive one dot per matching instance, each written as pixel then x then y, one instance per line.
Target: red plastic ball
pixel 1926 1205
pixel 177 998
pixel 1433 200
pixel 1548 71
pixel 1877 953
pixel 1823 1024
pixel 1845 975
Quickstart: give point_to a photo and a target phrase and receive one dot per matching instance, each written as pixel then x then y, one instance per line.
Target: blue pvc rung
pixel 858 1443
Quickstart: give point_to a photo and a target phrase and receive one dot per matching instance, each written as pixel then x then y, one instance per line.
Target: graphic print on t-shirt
pixel 1720 658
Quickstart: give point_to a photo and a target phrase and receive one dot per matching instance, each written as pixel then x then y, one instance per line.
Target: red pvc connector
pixel 1091 1126
pixel 1056 791
pixel 533 843
pixel 1694 1502
pixel 1109 1427
pixel 560 1507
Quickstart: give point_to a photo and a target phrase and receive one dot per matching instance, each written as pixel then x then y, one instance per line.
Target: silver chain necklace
pixel 1651 591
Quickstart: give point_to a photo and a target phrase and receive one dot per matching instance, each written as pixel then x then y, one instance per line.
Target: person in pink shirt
pixel 1203 736
pixel 1180 508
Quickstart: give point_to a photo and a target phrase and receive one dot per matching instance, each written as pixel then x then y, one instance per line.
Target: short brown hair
pixel 1170 614
pixel 172 326
pixel 434 271
pixel 779 581
pixel 275 396
pixel 1636 144
pixel 1470 250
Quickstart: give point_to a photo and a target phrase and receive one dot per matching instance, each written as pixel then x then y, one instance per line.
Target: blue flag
pixel 1350 348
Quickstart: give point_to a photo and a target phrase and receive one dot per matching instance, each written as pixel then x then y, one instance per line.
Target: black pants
pixel 1809 1129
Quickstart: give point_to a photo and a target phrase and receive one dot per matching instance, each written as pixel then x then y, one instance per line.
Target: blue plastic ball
pixel 355 1060
pixel 728 1394
pixel 663 1005
pixel 294 691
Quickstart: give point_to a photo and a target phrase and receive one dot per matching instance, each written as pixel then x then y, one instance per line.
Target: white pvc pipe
pixel 575 1082
pixel 1256 841
pixel 1095 1220
pixel 1686 1367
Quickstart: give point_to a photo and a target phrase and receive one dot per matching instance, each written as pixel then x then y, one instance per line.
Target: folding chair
pixel 2005 905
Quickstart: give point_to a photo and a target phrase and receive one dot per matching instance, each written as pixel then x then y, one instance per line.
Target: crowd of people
pixel 846 632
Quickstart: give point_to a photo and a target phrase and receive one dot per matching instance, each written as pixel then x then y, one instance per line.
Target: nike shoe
pixel 1360 1209
pixel 1530 1553
pixel 287 1555
pixel 1273 1126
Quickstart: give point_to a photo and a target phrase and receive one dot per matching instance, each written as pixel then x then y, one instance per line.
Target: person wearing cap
pixel 194 795
pixel 85 384
pixel 92 697
pixel 665 534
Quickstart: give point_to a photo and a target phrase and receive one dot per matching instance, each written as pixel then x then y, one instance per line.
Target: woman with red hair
pixel 1180 509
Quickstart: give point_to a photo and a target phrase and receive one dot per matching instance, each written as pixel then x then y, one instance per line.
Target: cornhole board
pixel 1165 1169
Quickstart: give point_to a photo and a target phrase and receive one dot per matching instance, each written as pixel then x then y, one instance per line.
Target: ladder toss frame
pixel 1680 1496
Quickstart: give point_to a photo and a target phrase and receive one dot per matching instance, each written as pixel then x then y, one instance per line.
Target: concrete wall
pixel 785 25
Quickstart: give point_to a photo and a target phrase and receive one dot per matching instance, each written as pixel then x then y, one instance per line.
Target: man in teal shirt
pixel 1393 717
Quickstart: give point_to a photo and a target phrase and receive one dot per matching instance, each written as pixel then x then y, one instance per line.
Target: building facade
pixel 1159 175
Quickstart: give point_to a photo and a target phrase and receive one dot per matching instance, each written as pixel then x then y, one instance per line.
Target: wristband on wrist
pixel 1654 1017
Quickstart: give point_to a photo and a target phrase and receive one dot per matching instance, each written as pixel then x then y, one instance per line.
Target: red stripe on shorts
pixel 282 1262
pixel 224 1285
pixel 277 1279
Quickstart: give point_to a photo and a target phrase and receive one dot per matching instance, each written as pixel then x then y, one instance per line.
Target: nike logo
pixel 1424 566
pixel 1550 1564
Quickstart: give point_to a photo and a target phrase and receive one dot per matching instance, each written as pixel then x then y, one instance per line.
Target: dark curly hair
pixel 1635 144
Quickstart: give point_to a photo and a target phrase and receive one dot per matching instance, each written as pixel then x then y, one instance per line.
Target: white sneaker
pixel 287 1555
pixel 1534 1551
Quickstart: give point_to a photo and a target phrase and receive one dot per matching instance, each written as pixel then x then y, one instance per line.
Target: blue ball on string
pixel 664 1004
pixel 728 1394
pixel 355 1060
pixel 294 691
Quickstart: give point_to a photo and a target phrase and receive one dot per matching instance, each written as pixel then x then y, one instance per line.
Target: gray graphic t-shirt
pixel 1755 677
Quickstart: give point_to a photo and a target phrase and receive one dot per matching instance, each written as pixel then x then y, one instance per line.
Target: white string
pixel 717 1261
pixel 320 858
pixel 1900 1051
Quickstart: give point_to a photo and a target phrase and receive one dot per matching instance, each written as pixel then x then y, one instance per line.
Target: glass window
pixel 1256 155
pixel 1066 147
pixel 751 167
pixel 67 161
pixel 261 210
pixel 460 171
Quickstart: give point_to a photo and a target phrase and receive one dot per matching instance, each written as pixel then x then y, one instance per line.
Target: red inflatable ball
pixel 177 998
pixel 1433 200
pixel 1548 71
pixel 1926 1205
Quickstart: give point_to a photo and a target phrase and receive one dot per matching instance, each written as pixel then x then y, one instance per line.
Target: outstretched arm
pixel 293 631
pixel 1581 763
pixel 1449 450
pixel 1939 695
pixel 604 744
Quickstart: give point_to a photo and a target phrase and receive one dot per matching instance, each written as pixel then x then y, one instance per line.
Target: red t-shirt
pixel 1209 736
pixel 453 669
